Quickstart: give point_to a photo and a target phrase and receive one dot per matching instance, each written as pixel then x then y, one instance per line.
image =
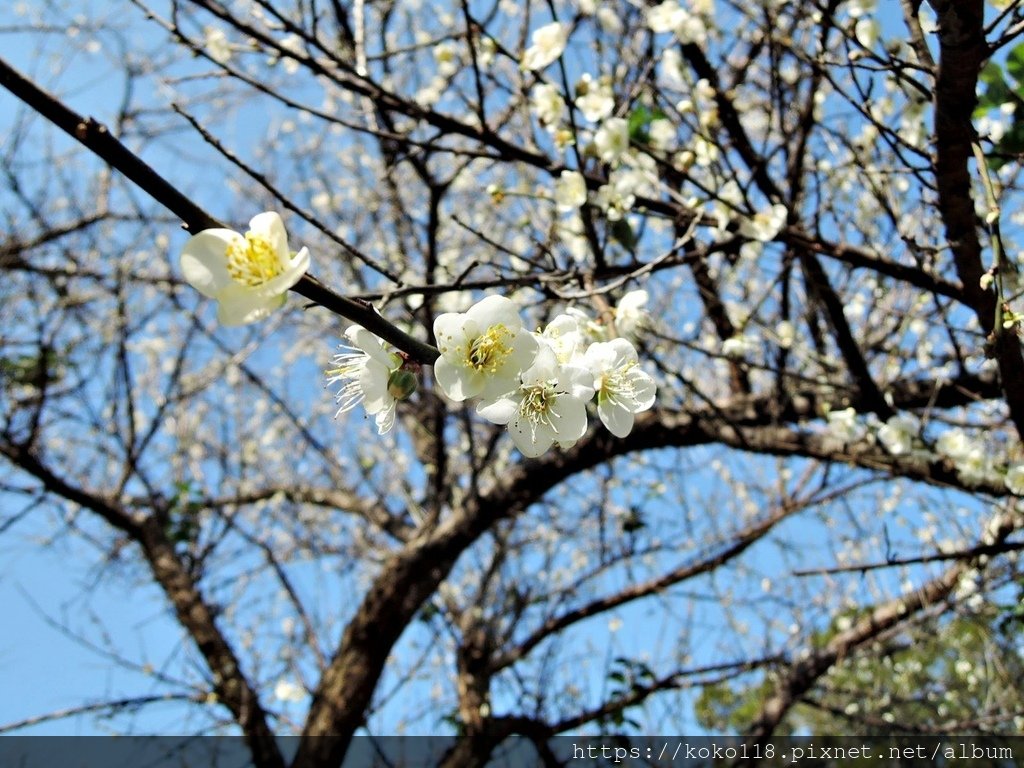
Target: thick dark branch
pixel 962 51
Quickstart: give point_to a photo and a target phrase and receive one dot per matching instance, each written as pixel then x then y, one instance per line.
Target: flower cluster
pixel 538 384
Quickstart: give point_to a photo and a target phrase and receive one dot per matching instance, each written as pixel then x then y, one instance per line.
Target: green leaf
pixel 1015 64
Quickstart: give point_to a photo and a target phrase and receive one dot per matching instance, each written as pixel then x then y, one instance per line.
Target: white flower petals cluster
pixel 898 433
pixel 595 99
pixel 249 274
pixel 546 45
pixel 370 375
pixel 766 224
pixel 538 384
pixel 669 16
pixel 845 426
pixel 972 462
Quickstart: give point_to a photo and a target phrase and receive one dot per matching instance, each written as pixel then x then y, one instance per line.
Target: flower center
pixel 614 386
pixel 536 405
pixel 253 261
pixel 489 350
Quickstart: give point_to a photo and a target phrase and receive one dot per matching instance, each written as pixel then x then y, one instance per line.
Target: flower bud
pixel 402 383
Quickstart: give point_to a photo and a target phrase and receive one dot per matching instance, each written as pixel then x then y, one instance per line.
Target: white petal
pixel 204 261
pixel 237 305
pixel 569 417
pixel 617 419
pixel 530 442
pixel 500 411
pixel 370 343
pixel 495 310
pixel 449 330
pixel 374 381
pixel 269 225
pixel 386 419
pixel 644 390
pixel 456 382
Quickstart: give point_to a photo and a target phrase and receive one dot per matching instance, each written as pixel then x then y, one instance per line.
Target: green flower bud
pixel 402 383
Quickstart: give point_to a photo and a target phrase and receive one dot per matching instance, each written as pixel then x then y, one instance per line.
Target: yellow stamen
pixel 489 350
pixel 252 261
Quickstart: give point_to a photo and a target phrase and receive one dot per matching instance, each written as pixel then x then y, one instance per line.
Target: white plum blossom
pixel 546 45
pixel 785 332
pixel 482 350
pixel 286 690
pixel 248 275
pixel 738 346
pixel 665 17
pixel 563 336
pixel 595 100
pixel 616 198
pixel 623 389
pixel 669 16
pixel 764 225
pixel 216 44
pixel 547 406
pixel 367 373
pixel 570 191
pixel 547 103
pixel 293 44
pixel 661 134
pixel 631 312
pixel 845 425
pixel 1014 480
pixel 898 433
pixel 954 444
pixel 612 140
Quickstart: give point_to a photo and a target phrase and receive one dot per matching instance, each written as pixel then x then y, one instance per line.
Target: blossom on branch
pixel 372 376
pixel 547 44
pixel 548 406
pixel 249 274
pixel 482 350
pixel 623 389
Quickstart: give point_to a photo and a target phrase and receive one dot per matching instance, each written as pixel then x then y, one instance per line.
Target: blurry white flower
pixel 286 690
pixel 294 44
pixel 547 44
pixel 216 44
pixel 631 312
pixel 1015 479
pixel 786 333
pixel 954 444
pixel 247 275
pixel 570 190
pixel 547 103
pixel 898 433
pixel 595 99
pixel 845 426
pixel 738 346
pixel 623 389
pixel 548 405
pixel 764 225
pixel 662 135
pixel 665 17
pixel 612 139
pixel 482 350
pixel 609 20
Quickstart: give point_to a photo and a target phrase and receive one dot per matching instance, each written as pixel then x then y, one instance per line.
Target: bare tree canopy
pixel 690 334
